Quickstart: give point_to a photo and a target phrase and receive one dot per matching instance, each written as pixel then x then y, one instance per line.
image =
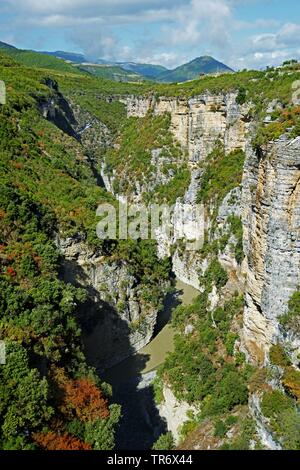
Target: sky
pixel 240 33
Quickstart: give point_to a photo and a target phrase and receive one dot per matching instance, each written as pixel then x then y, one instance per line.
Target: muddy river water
pixel 141 424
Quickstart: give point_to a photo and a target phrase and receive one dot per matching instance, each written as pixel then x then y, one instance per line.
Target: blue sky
pixel 241 33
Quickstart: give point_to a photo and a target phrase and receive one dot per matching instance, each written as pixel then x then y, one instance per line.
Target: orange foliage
pixel 11 272
pixel 52 441
pixel 17 165
pixel 37 260
pixel 80 397
pixel 86 399
pixel 291 382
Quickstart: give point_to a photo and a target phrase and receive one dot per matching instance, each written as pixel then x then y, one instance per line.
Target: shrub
pixel 230 342
pixel 291 320
pixel 215 274
pixel 164 442
pixel 231 420
pixel 278 356
pixel 242 95
pixel 236 227
pixel 274 402
pixel 220 429
pixel 291 382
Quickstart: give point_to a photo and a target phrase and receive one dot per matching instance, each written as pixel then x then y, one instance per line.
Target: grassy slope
pixel 111 73
pixel 41 61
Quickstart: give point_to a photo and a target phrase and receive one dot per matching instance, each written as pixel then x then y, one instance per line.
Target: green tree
pixel 164 442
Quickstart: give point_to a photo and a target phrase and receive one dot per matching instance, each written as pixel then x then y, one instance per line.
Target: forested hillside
pixel 50 398
pixel 69 142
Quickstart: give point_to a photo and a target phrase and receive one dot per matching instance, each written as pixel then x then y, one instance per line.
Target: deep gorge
pixel 83 312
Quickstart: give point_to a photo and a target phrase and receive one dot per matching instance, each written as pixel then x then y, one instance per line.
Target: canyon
pixel 189 339
pixel 266 200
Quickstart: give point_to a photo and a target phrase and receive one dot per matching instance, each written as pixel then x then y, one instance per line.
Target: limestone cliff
pixel 199 121
pixel 271 216
pixel 197 124
pixel 117 321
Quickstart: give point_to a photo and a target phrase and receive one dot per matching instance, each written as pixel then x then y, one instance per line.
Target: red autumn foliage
pixel 18 165
pixel 11 272
pixel 85 399
pixel 52 441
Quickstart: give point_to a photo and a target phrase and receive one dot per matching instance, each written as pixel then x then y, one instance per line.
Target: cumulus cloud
pixel 167 31
pixel 272 48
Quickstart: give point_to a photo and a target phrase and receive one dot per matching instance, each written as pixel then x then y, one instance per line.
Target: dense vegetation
pixel 111 72
pixel 139 138
pixel 49 397
pixel 222 173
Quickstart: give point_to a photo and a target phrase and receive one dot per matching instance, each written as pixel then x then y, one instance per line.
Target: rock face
pixel 117 321
pixel 271 216
pixel 175 412
pixel 265 436
pixel 198 122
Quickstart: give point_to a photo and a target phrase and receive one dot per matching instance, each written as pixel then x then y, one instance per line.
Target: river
pixel 141 424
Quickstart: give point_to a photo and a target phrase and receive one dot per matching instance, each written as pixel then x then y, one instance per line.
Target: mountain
pixel 147 70
pixel 39 59
pixel 110 72
pixel 192 70
pixel 3 45
pixel 118 71
pixel 74 57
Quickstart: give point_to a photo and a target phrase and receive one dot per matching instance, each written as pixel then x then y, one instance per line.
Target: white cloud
pixel 174 30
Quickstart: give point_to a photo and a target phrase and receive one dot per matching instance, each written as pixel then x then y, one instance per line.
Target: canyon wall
pixel 197 124
pixel 117 320
pixel 267 200
pixel 199 121
pixel 271 216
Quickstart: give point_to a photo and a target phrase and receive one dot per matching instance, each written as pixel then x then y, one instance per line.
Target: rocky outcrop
pixel 271 217
pixel 117 321
pixel 264 434
pixel 198 122
pixel 175 412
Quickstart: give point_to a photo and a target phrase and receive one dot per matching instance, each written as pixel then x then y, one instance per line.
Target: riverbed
pixel 132 379
pixel 154 354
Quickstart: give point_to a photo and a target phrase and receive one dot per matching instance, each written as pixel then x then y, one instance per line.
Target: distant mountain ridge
pixel 189 71
pixel 4 45
pixel 74 57
pixel 194 68
pixel 118 71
